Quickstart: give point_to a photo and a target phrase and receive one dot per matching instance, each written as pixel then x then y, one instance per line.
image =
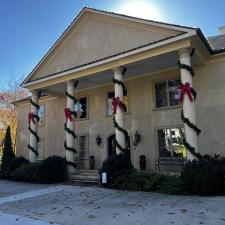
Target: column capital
pixel 184 52
pixel 69 82
pixel 119 69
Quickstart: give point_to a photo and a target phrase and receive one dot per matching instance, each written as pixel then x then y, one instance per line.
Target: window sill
pixel 167 108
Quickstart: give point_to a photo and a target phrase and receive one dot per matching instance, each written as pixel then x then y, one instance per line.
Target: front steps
pixel 86 177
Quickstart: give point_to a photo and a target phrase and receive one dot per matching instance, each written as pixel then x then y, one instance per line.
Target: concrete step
pixel 85 172
pixel 81 177
pixel 84 177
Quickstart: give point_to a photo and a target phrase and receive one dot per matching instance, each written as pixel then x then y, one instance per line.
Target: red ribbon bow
pixel 116 103
pixel 185 89
pixel 31 118
pixel 68 114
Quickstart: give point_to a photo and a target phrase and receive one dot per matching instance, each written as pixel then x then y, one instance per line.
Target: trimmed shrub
pixel 145 181
pixel 205 176
pixel 116 165
pixel 8 153
pixel 26 172
pixel 16 163
pixel 52 170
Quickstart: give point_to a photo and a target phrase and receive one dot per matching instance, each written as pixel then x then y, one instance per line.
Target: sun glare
pixel 141 9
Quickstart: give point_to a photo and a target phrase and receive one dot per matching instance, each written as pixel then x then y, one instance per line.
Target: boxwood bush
pixel 14 164
pixel 26 172
pixel 205 176
pixel 50 170
pixel 136 180
pixel 116 165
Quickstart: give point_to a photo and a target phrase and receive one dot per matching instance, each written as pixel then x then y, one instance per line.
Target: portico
pixel 128 76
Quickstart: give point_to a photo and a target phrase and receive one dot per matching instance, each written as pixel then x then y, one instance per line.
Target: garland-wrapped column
pixel 187 97
pixel 119 109
pixel 70 125
pixel 33 127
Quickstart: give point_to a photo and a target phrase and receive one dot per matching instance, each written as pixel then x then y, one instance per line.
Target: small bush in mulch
pixel 50 170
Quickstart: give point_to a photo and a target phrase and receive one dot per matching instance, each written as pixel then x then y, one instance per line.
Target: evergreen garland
pixel 115 81
pixel 68 130
pixel 189 123
pixel 186 120
pixel 186 67
pixel 37 120
pixel 116 125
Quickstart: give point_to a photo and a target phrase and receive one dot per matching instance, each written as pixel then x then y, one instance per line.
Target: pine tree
pixel 8 153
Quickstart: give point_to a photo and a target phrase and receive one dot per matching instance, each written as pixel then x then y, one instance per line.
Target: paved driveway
pixel 29 204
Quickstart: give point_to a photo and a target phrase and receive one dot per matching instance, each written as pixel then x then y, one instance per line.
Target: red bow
pixel 31 118
pixel 116 102
pixel 68 114
pixel 185 89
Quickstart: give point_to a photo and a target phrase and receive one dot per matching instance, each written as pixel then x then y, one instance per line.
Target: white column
pixel 70 124
pixel 119 116
pixel 34 126
pixel 188 106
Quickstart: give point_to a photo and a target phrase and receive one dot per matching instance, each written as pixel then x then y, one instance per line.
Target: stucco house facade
pixel 154 89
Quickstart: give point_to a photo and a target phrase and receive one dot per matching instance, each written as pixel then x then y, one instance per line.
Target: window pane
pixel 41 114
pixel 171 143
pixel 83 107
pixel 164 143
pixel 109 102
pixel 177 143
pixel 83 147
pixel 174 92
pixel 161 94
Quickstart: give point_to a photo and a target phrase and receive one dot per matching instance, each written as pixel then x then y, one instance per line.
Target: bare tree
pixel 8 114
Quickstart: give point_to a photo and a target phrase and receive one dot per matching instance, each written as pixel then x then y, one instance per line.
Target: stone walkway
pixel 30 204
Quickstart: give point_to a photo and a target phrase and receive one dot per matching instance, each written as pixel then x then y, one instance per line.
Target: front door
pixel 111 145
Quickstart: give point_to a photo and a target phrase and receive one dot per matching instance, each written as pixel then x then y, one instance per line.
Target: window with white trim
pixel 170 142
pixel 81 108
pixel 41 114
pixel 82 142
pixel 167 93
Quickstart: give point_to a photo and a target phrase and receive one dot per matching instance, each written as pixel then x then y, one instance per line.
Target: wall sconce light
pixel 98 140
pixel 137 138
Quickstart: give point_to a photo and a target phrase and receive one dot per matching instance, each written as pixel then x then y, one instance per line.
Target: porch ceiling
pixel 134 70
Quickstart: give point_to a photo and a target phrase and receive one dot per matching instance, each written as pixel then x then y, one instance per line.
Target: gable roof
pixel 183 29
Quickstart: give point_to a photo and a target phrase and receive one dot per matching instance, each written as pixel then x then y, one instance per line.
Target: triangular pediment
pixel 95 36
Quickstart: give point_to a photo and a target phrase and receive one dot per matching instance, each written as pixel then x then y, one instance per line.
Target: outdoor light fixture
pixel 137 138
pixel 98 140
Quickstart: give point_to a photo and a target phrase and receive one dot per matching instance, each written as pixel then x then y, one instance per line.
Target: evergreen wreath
pixel 116 125
pixel 185 119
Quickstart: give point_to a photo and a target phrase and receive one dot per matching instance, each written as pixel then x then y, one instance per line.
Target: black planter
pixel 92 162
pixel 142 162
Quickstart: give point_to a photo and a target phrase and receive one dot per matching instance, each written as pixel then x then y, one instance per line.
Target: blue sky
pixel 30 27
